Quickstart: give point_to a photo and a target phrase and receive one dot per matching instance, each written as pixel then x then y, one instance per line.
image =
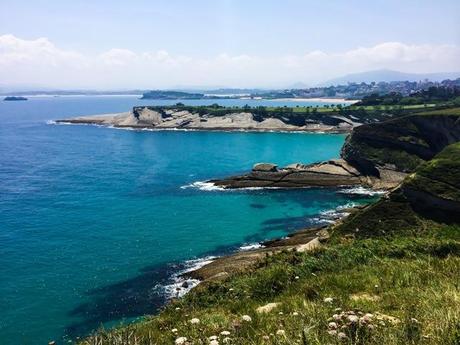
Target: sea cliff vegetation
pixel 387 274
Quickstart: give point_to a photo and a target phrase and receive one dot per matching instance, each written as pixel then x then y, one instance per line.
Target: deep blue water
pixel 93 221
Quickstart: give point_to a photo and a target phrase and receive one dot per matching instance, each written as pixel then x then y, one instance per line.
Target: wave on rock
pixel 360 190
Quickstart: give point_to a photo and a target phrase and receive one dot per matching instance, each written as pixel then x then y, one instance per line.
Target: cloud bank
pixel 41 62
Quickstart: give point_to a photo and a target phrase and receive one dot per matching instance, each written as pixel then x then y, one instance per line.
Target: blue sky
pixel 198 33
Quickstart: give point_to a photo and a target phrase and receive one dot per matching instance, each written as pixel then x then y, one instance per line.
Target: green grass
pixel 414 279
pixel 448 111
pixel 441 175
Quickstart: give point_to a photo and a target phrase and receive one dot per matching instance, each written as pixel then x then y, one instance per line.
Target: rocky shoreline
pixel 332 173
pixel 171 118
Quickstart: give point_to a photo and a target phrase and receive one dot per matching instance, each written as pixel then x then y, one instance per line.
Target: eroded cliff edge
pixel 377 155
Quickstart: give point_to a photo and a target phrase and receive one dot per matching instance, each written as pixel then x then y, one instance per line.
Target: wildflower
pixel 265 337
pixel 177 308
pixel 328 300
pixel 295 313
pixel 337 317
pixel 225 333
pixel 297 277
pixel 226 340
pixel 195 321
pixel 181 341
pixel 174 330
pixel 342 335
pixel 281 332
pixel 353 318
pixel 280 313
pixel 246 318
pixel 231 289
pixel 213 342
pixel 214 337
pixel 332 332
pixel 332 325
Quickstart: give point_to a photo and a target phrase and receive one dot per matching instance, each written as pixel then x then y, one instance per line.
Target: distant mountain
pixel 389 75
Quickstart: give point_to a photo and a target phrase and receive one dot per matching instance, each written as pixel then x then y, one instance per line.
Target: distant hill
pixel 388 76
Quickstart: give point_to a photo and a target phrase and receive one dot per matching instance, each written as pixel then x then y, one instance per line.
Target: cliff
pixel 401 144
pixel 432 192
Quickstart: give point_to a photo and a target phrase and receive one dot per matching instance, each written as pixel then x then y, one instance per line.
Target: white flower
pixel 297 277
pixel 353 318
pixel 280 313
pixel 246 318
pixel 337 317
pixel 177 308
pixel 213 337
pixel 174 330
pixel 295 313
pixel 213 342
pixel 332 325
pixel 195 321
pixel 281 332
pixel 341 335
pixel 225 333
pixel 328 300
pixel 226 340
pixel 181 341
pixel 332 332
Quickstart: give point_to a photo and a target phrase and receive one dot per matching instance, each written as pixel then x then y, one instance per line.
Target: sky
pixel 216 43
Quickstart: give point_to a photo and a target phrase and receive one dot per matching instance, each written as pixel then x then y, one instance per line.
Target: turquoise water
pixel 94 221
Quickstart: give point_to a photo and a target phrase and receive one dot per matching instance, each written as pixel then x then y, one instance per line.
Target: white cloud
pixel 40 61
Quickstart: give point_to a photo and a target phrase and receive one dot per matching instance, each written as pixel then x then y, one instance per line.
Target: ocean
pixel 97 223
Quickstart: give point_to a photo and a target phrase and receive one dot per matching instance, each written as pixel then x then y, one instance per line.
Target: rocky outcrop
pixel 303 240
pixel 330 173
pixel 267 167
pixel 227 119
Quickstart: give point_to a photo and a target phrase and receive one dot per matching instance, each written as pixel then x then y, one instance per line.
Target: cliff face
pixel 431 192
pixel 400 144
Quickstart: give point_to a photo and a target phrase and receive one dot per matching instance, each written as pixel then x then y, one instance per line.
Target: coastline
pixel 310 130
pixel 216 266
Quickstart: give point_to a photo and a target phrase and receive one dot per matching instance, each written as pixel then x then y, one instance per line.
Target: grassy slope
pixel 411 273
pixel 441 175
pixel 412 278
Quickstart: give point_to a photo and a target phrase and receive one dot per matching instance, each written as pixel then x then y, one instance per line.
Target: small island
pixel 15 98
